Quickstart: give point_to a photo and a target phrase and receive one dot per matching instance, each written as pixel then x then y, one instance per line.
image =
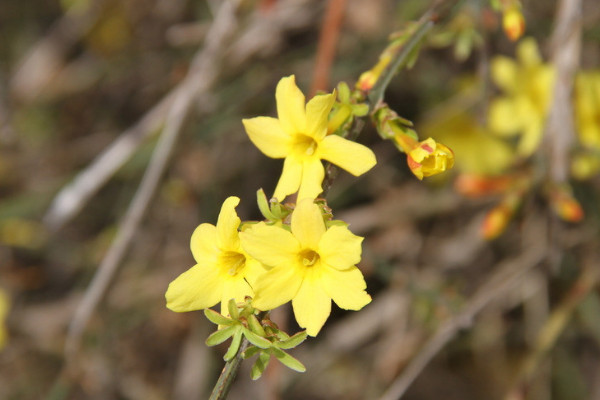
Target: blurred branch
pixel 330 32
pixel 553 327
pixel 202 75
pixel 566 49
pixel 507 274
pixel 261 37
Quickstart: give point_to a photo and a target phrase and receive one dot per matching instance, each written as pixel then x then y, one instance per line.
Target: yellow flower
pixel 223 271
pixel 429 158
pixel 299 135
pixel 587 108
pixel 513 22
pixel 528 89
pixel 4 306
pixel 311 265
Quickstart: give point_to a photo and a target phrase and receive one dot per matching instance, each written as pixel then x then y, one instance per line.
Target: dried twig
pixel 506 275
pixel 202 76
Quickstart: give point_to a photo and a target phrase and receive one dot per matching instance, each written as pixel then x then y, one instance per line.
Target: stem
pixel 223 385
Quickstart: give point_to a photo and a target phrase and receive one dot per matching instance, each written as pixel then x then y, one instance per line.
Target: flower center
pixel 308 257
pixel 305 145
pixel 232 262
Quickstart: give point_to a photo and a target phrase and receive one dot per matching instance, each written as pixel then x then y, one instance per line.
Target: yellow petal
pixel 312 305
pixel 290 106
pixel 253 270
pixel 204 244
pixel 317 112
pixel 531 138
pixel 503 117
pixel 266 134
pixel 277 287
pixel 227 224
pixel 313 174
pixel 351 156
pixel 340 248
pixel 307 224
pixel 197 288
pixel 289 182
pixel 271 245
pixel 346 288
pixel 236 289
pixel 504 73
pixel 528 53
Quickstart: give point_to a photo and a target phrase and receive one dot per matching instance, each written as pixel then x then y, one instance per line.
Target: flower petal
pixel 197 288
pixel 340 248
pixel 312 305
pixel 271 245
pixel 346 288
pixel 277 287
pixel 313 174
pixel 204 244
pixel 504 73
pixel 351 156
pixel 227 225
pixel 307 224
pixel 290 179
pixel 266 134
pixel 290 106
pixel 236 289
pixel 317 112
pixel 503 117
pixel 531 138
pixel 528 52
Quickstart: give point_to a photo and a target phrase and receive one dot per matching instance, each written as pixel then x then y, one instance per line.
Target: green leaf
pixel 343 92
pixel 256 340
pixel 293 341
pixel 260 365
pixel 250 351
pixel 263 205
pixel 288 360
pixel 255 326
pixel 235 344
pixel 360 110
pixel 221 335
pixel 217 318
pixel 233 310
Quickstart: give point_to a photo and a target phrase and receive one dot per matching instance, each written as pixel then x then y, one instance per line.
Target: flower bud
pixel 513 23
pixel 429 158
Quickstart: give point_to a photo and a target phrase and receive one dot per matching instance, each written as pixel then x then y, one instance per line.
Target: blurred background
pixel 90 91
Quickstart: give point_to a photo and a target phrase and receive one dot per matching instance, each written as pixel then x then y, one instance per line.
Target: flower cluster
pixel 297 254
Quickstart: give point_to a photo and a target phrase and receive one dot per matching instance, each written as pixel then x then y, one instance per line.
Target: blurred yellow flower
pixel 587 108
pixel 527 87
pixel 311 265
pixel 223 271
pixel 429 158
pixel 299 135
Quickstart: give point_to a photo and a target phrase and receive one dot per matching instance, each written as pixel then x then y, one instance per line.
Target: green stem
pixel 221 389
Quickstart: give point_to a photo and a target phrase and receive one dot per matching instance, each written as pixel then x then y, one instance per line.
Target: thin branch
pixel 566 49
pixel 506 275
pixel 229 374
pixel 202 75
pixel 330 32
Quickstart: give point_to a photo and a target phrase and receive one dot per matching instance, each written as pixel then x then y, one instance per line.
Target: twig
pixel 553 327
pixel 228 374
pixel 566 46
pixel 330 32
pixel 202 75
pixel 502 280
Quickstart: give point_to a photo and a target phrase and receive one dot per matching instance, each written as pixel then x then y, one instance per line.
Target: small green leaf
pixel 235 344
pixel 360 110
pixel 233 310
pixel 221 335
pixel 250 351
pixel 343 92
pixel 255 326
pixel 288 360
pixel 260 365
pixel 256 340
pixel 217 318
pixel 293 341
pixel 263 205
